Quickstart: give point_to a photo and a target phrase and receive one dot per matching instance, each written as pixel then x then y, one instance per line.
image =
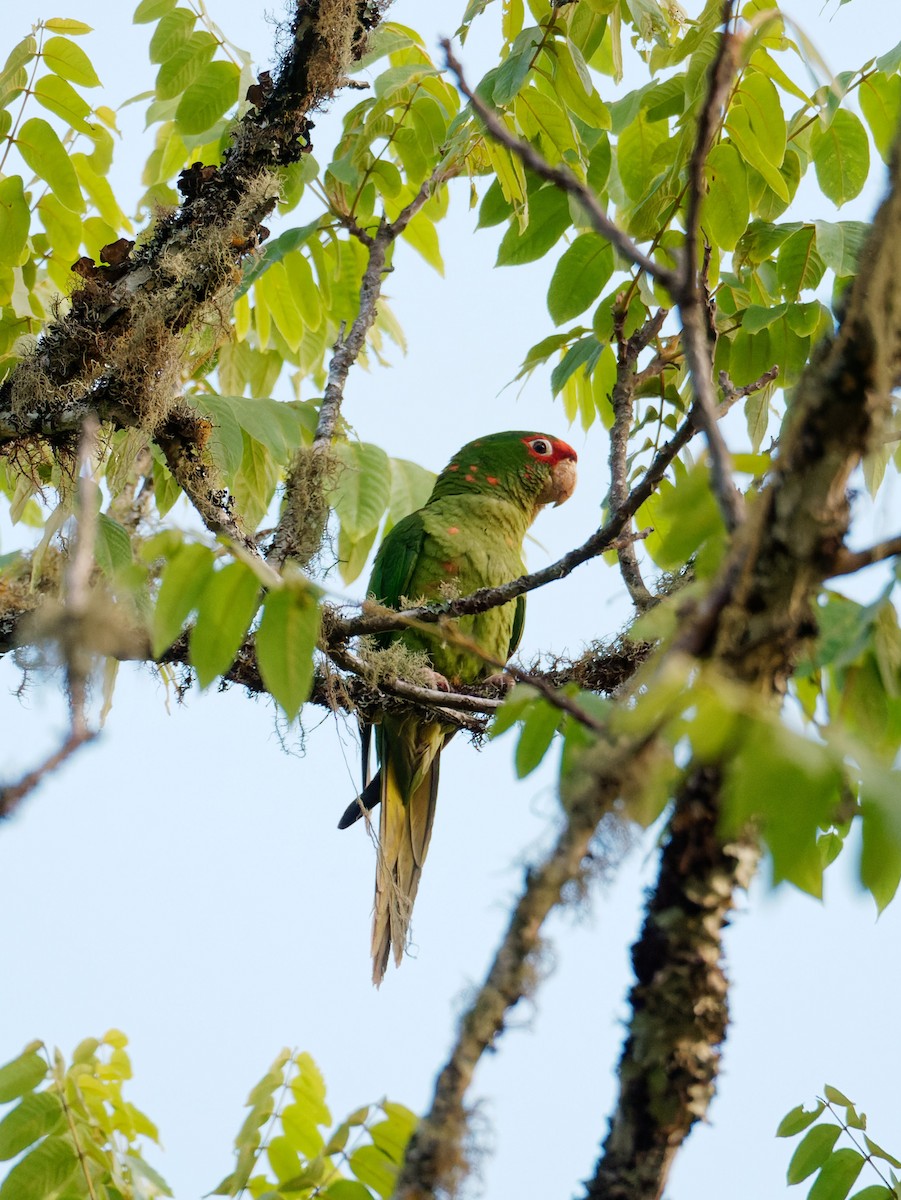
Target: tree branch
pixel 305 509
pixel 695 339
pixel 434 1156
pixel 848 561
pixel 623 408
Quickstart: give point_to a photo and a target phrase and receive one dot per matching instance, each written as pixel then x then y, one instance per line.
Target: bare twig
pixel 14 793
pixel 733 393
pixel 562 178
pixel 304 485
pixel 623 407
pixel 846 562
pixel 698 354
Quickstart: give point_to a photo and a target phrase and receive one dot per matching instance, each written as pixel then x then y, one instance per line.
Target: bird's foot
pixel 502 681
pixel 436 681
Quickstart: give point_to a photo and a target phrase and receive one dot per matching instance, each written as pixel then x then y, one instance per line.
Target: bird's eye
pixel 540 446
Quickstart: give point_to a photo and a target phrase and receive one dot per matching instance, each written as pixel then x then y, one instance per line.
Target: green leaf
pixel 411 486
pixel 840 244
pixel 15 220
pixel 511 74
pixel 224 612
pixel 371 1167
pixel 67 59
pixel 112 546
pixel 285 642
pixel 178 72
pixel 67 25
pixel 549 215
pixel 814 1149
pixel 798 1119
pixel 209 97
pixel 36 1115
pixel 541 723
pixel 171 33
pixel 60 97
pixel 423 237
pixel 144 1171
pixel 255 483
pixel 514 708
pixel 800 266
pixel 837 1176
pixel 841 156
pixel 42 1172
pixel 756 125
pixel 39 145
pixel 877 1152
pixel 637 154
pixel 152 10
pixel 727 207
pixel 184 579
pixel 880 100
pixel 21 1075
pixel 584 353
pixel 362 489
pixel 880 855
pixel 834 1096
pixel 579 276
pixel 346 1189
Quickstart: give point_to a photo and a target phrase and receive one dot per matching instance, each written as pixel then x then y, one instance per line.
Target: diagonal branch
pixel 622 399
pixel 698 353
pixel 305 509
pixel 434 1155
pixel 562 178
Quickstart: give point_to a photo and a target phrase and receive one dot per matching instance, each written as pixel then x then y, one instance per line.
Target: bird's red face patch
pixel 549 450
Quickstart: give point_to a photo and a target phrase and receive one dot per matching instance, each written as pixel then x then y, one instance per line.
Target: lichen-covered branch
pixel 120 349
pixel 679 1004
pixel 435 1158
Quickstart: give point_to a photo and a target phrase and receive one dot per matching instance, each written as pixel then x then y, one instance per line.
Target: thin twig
pixel 346 351
pixel 622 399
pixel 848 561
pixel 14 793
pixel 698 354
pixel 562 178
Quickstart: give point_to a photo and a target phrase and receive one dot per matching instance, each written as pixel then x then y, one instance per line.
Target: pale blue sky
pixel 183 879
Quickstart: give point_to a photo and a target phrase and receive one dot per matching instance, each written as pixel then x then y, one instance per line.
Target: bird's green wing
pixel 396 560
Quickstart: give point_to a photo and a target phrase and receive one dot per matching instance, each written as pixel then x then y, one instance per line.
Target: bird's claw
pixel 437 682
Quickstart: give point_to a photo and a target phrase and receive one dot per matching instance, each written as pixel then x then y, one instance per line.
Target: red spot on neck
pixel 453 529
pixel 492 479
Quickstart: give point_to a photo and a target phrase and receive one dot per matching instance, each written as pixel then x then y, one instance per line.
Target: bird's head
pixel 531 469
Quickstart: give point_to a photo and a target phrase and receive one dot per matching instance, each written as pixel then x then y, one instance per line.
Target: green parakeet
pixel 469 535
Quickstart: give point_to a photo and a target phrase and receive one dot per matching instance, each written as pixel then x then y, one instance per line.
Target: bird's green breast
pixel 469 543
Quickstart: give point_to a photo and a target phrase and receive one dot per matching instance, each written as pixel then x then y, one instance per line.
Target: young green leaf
pixel 21 1075
pixel 225 608
pixel 184 579
pixel 285 642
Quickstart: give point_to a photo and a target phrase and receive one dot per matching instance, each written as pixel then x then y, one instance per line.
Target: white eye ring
pixel 540 446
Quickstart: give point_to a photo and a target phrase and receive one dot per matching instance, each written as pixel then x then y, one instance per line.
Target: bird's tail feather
pixel 405 828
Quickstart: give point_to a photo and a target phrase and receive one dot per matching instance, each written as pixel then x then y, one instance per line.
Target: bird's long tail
pixel 405 828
